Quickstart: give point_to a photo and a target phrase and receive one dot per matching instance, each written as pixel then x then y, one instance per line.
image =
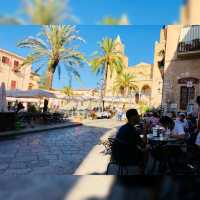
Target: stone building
pixel 13 75
pixel 179 47
pixel 85 92
pixel 147 83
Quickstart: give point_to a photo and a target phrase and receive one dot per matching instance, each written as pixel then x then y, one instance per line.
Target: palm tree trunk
pixel 50 72
pixel 104 84
pixel 49 79
pixel 105 79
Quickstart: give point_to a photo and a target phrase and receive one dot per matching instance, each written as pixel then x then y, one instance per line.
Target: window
pixel 5 60
pixel 13 85
pixel 30 87
pixel 16 63
pixel 186 95
pixel 137 98
pixel 16 66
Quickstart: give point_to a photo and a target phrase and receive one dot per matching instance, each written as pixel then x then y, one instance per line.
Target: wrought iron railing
pixel 191 46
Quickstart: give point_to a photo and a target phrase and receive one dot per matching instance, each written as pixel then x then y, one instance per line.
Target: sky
pixel 147 16
pixel 138 40
pixel 140 12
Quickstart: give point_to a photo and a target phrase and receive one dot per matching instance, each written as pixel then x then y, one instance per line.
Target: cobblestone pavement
pixel 57 152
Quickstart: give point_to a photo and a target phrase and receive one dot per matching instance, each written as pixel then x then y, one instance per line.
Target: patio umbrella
pixel 3 102
pixel 37 93
pixel 13 93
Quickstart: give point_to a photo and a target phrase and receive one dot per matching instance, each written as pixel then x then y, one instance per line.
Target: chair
pixel 123 155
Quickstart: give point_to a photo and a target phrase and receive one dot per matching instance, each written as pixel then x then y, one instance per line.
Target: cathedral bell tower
pixel 190 12
pixel 119 46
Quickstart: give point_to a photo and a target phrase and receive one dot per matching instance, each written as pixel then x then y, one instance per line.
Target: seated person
pixel 154 120
pixel 167 123
pixel 133 143
pixel 181 127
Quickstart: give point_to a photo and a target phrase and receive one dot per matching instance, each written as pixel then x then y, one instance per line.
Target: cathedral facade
pixel 147 82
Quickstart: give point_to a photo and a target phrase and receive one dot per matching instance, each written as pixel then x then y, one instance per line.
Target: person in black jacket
pixel 131 145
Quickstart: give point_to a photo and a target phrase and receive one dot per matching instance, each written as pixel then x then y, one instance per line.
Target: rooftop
pixel 12 53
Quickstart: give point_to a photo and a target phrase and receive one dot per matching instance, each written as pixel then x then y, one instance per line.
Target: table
pixel 161 139
pixel 167 141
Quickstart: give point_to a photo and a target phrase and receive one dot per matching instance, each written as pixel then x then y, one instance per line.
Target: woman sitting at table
pixel 167 123
pixel 170 155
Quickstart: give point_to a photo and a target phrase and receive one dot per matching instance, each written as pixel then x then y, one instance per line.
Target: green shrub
pixel 17 125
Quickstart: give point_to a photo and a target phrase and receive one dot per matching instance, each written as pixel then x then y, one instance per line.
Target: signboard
pixel 189 84
pixel 173 106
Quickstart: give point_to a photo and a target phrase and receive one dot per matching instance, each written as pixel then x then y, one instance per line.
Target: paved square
pixel 57 152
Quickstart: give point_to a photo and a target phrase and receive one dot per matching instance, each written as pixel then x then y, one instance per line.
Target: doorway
pixel 186 95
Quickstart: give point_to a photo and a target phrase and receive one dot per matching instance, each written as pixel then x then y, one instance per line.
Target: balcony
pixel 189 49
pixel 189 42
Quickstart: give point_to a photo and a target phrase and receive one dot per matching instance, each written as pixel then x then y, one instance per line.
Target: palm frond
pixel 109 57
pixel 124 81
pixel 46 11
pixel 54 45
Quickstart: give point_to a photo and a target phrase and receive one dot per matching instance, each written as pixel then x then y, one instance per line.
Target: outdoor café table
pixel 166 140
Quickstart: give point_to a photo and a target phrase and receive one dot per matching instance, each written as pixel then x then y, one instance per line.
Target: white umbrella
pixel 13 93
pixel 3 102
pixel 38 93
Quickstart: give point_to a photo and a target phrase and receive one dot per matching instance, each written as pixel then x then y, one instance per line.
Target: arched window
pixel 133 90
pixel 146 93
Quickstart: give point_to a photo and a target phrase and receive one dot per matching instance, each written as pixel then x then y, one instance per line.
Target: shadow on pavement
pixel 57 152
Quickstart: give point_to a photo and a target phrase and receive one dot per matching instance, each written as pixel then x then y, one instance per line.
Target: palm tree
pixel 124 83
pixel 110 59
pixel 123 20
pixel 42 84
pixel 41 12
pixel 68 91
pixel 53 47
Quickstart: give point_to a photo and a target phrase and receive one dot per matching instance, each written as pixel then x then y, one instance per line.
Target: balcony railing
pixel 189 49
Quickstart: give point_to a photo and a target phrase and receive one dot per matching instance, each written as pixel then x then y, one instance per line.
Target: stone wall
pixel 177 68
